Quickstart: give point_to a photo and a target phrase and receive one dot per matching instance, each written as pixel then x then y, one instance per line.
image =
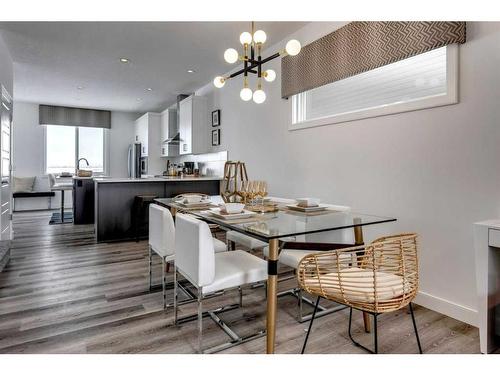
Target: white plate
pixel 242 215
pixel 295 207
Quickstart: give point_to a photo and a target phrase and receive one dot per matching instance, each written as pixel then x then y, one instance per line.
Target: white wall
pixel 435 170
pixel 6 68
pixel 28 150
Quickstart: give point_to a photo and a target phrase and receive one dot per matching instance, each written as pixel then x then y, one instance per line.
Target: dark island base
pixel 114 204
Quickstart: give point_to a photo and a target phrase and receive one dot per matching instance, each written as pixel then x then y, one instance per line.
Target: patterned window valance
pixel 70 116
pixel 361 46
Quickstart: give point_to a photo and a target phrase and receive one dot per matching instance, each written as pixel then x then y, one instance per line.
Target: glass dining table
pixel 276 228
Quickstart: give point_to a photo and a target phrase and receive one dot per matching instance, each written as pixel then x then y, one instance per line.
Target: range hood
pixel 176 139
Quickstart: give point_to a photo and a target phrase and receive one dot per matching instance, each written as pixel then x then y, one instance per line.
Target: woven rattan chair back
pixel 379 277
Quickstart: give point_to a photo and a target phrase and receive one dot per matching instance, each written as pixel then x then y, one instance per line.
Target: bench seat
pixel 34 194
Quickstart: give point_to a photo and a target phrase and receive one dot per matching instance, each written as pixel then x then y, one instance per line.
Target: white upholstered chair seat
pixel 290 258
pixel 235 268
pixel 357 285
pixel 245 241
pixel 219 246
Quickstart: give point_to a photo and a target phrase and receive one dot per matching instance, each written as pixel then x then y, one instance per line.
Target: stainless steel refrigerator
pixel 134 160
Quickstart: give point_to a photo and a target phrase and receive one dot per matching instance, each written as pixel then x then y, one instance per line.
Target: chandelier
pixel 252 63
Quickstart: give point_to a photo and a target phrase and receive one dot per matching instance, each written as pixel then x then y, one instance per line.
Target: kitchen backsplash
pixel 209 164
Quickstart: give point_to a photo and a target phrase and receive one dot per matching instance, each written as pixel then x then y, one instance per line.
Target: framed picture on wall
pixel 216 117
pixel 216 137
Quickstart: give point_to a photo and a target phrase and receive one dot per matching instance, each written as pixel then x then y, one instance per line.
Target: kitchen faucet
pixel 78 163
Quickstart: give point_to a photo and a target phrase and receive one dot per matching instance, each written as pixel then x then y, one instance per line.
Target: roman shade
pixel 361 46
pixel 70 116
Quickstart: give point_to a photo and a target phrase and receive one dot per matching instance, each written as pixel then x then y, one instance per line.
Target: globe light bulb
pixel 219 82
pixel 245 38
pixel 293 47
pixel 231 55
pixel 246 94
pixel 259 96
pixel 270 75
pixel 259 37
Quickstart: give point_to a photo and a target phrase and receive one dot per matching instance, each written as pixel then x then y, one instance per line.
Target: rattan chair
pixel 376 278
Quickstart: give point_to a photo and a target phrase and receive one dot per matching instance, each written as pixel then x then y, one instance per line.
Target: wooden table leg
pixel 272 289
pixel 358 240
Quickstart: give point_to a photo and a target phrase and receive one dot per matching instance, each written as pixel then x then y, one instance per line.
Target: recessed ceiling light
pixel 80 87
pixel 149 89
pixel 124 60
pixel 191 71
pixel 138 99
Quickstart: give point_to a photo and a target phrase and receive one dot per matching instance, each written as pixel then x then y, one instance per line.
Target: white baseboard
pixel 443 306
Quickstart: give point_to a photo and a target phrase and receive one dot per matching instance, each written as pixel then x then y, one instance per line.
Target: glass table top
pixel 284 223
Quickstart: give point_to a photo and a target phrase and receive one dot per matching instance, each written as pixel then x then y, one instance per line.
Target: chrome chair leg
pixel 310 325
pixel 163 282
pixel 200 322
pixel 240 292
pixel 175 295
pixel 150 267
pixel 415 328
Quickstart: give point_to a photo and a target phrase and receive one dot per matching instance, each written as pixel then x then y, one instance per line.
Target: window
pixel 66 144
pixel 422 81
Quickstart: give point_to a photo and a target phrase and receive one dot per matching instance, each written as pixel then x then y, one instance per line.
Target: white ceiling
pixel 51 59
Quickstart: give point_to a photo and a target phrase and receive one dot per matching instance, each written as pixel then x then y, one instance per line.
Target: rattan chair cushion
pixel 358 285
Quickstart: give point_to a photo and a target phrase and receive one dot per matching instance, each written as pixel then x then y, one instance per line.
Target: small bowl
pixel 308 202
pixel 233 208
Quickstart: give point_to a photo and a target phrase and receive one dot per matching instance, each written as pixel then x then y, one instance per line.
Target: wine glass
pixel 263 191
pixel 252 191
pixel 244 192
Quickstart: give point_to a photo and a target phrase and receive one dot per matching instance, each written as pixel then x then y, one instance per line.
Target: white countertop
pixel 494 223
pixel 103 180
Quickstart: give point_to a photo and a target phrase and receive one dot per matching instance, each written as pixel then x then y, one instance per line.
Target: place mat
pixel 314 213
pixel 182 208
pixel 262 208
pixel 256 218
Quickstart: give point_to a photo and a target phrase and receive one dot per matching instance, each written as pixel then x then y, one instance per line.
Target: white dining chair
pixel 162 242
pixel 210 272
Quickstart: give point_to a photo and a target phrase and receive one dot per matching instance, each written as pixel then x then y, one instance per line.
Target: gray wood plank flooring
pixel 63 293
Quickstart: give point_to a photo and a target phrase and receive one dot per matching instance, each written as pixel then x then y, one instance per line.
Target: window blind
pixel 415 78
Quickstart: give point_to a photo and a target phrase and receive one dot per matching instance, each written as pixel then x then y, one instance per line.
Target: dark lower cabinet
pixel 83 201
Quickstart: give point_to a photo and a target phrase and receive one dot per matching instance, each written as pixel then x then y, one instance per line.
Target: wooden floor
pixel 62 293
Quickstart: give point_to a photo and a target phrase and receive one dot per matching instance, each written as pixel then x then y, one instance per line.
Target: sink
pixel 83 173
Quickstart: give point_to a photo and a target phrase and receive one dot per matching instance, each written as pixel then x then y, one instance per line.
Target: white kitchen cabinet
pixel 147 132
pixel 193 125
pixel 168 130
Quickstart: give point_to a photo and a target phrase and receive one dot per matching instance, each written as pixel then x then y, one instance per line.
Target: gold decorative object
pixel 235 176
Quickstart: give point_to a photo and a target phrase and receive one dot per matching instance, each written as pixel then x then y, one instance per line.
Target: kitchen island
pixel 114 201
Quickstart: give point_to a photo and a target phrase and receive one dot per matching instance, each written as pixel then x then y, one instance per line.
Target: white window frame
pixel 451 97
pixel 105 152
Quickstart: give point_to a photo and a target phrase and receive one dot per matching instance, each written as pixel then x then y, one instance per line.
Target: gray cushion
pixel 42 183
pixel 52 180
pixel 23 184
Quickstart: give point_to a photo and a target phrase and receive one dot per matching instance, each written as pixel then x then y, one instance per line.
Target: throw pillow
pixel 23 184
